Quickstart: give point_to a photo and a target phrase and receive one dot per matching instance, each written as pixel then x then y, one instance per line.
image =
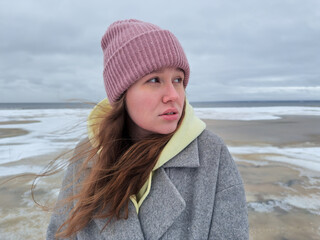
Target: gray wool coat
pixel 198 194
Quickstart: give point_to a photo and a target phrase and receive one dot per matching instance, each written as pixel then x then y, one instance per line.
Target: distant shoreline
pixel 287 103
pixel 206 104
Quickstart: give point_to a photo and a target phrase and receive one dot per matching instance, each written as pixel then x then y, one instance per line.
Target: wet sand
pixel 20 217
pixel 12 132
pixel 289 130
pixel 282 198
pixel 18 122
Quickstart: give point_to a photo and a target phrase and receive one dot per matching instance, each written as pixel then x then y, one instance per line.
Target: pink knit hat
pixel 133 49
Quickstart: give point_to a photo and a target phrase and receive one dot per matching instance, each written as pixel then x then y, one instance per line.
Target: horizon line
pixel 207 101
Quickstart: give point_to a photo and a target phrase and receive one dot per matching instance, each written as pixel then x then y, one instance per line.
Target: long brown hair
pixel 119 168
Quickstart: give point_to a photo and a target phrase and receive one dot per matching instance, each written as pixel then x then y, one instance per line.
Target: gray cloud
pixel 238 50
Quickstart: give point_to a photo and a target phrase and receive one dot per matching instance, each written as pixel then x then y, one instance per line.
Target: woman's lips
pixel 170 114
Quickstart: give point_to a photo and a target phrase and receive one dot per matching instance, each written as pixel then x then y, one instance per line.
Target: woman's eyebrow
pixel 162 70
pixel 159 71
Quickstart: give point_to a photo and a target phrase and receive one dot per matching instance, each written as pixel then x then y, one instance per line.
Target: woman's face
pixel 155 102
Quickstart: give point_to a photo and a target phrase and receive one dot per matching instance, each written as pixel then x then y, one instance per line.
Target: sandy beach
pixel 289 130
pixel 283 198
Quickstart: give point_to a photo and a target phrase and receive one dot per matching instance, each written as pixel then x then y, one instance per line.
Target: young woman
pixel 149 168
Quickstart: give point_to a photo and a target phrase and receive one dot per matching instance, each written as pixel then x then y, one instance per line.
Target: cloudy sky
pixel 238 50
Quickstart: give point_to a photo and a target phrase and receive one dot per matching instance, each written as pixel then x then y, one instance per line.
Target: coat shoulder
pixel 210 138
pixel 215 153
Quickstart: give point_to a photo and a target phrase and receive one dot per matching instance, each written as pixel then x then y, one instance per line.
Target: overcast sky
pixel 238 50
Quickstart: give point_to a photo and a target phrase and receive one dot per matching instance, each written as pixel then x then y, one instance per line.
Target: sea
pixel 216 104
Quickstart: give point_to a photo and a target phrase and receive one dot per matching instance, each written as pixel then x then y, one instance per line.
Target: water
pixel 63 105
pixel 48 131
pixel 224 104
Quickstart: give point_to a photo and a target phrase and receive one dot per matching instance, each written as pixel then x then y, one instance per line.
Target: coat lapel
pixel 188 158
pixel 164 204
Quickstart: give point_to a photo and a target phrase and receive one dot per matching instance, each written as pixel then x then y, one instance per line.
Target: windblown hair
pixel 119 168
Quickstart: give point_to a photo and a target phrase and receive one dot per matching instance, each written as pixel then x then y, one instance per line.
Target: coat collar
pixel 160 209
pixel 189 157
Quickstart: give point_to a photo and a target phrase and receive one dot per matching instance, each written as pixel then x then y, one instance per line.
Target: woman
pixel 149 170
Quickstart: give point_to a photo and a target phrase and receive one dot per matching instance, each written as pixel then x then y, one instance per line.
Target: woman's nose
pixel 170 93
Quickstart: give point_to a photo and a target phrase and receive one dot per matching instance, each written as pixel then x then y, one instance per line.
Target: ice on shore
pixel 307 157
pixel 310 203
pixel 268 206
pixel 53 130
pixel 254 113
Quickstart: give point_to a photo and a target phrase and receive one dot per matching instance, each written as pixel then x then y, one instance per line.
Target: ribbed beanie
pixel 133 49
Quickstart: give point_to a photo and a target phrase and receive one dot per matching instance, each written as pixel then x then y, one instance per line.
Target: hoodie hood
pixel 95 117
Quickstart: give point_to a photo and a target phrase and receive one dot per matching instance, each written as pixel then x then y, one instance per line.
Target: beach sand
pixel 289 130
pixel 282 198
pixel 12 132
pixel 20 217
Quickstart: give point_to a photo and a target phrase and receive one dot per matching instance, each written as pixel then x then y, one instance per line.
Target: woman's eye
pixel 153 80
pixel 178 80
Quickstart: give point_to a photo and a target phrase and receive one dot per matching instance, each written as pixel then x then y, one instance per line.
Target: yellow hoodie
pixel 190 128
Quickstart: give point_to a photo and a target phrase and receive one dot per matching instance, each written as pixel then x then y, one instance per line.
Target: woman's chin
pixel 166 130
